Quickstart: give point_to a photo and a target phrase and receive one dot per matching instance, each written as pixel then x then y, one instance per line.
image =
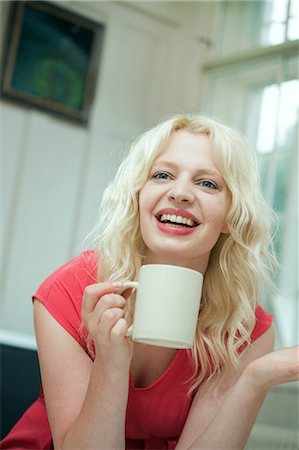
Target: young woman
pixel 187 194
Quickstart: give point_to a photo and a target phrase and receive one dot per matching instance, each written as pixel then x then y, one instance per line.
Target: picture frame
pixel 51 59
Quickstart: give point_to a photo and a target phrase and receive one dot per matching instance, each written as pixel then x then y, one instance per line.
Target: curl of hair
pixel 240 263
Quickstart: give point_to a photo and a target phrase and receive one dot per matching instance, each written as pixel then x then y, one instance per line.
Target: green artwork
pixel 51 59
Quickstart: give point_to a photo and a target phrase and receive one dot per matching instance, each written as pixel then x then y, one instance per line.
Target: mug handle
pixel 125 286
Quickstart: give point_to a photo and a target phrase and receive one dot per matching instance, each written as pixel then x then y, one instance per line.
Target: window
pixel 280 22
pixel 276 144
pixel 244 25
pixel 257 91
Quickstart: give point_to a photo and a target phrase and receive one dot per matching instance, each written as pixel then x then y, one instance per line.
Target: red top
pixel 155 414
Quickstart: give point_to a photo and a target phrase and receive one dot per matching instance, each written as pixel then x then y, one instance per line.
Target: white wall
pixel 54 172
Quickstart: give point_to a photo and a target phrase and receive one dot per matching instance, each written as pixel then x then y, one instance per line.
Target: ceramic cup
pixel 167 305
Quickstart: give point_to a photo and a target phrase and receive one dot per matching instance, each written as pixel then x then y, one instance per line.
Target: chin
pixel 167 256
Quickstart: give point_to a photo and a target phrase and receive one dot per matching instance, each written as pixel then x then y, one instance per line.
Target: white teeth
pixel 177 219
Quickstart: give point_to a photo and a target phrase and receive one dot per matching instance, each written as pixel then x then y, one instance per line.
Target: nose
pixel 181 192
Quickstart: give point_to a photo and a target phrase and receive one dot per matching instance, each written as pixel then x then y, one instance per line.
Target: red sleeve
pixel 262 324
pixel 61 293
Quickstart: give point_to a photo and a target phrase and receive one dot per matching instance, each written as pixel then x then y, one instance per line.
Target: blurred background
pixel 234 60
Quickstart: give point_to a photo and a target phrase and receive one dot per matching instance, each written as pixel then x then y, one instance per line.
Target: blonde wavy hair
pixel 241 261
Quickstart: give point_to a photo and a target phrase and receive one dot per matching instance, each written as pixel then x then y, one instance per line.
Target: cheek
pixel 217 214
pixel 145 227
pixel 142 203
pixel 144 209
pixel 147 200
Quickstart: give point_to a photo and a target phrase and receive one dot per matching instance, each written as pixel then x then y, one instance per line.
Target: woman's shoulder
pixel 65 286
pixel 78 271
pixel 84 262
pixel 61 292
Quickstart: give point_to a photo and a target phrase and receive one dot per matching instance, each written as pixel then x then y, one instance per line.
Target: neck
pixel 200 265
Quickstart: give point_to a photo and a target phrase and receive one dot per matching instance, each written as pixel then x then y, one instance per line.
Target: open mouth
pixel 177 221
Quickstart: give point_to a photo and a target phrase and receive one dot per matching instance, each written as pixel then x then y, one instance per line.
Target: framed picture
pixel 51 59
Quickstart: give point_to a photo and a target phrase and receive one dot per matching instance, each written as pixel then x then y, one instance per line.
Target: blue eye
pixel 208 184
pixel 161 176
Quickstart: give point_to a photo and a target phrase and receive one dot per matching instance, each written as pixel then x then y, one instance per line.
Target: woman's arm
pixel 86 401
pixel 225 421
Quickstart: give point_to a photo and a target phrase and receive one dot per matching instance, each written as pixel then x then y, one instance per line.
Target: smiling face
pixel 184 203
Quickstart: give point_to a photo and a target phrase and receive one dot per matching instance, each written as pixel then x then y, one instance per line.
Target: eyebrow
pixel 203 170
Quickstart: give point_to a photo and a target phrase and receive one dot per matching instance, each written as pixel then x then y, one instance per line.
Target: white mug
pixel 167 305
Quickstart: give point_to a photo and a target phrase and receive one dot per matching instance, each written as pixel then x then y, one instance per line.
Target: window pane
pixel 293 29
pixel 288 113
pixel 264 162
pixel 268 117
pixel 276 33
pixel 274 21
pixel 276 11
pixel 282 181
pixel 286 141
pixel 277 132
pixel 294 8
pixel 249 24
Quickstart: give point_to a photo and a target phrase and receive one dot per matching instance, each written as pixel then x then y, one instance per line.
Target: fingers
pixel 277 367
pixel 103 316
pixel 94 292
pixel 114 325
pixel 109 320
pixel 118 331
pixel 102 308
pixel 109 312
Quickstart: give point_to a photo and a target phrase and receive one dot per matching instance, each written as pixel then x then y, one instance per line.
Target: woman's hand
pixel 278 367
pixel 103 316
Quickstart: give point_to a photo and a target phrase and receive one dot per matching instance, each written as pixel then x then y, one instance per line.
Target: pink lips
pixel 173 229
